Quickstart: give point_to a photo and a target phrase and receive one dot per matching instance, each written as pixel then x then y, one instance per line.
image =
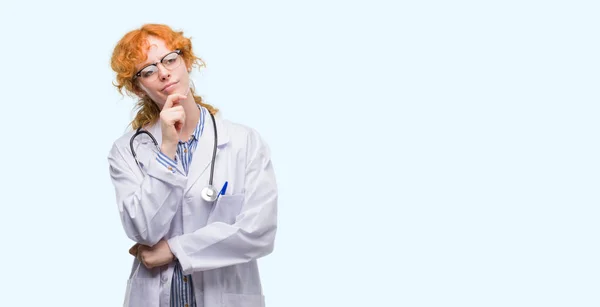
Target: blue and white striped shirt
pixel 182 287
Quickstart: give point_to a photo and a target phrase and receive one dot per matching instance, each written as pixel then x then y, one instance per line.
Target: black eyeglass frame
pixel 139 73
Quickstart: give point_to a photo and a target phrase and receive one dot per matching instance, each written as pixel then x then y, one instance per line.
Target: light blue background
pixel 428 153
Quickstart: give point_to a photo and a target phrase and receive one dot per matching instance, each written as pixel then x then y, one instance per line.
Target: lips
pixel 169 86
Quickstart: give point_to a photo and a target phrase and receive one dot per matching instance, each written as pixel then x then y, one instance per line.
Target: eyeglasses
pixel 170 61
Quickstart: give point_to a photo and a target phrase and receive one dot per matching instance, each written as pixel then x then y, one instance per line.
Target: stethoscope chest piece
pixel 209 193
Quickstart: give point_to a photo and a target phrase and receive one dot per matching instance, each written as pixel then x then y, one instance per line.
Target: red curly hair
pixel 131 50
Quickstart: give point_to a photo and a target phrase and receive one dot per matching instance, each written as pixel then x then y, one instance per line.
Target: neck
pixel 192 115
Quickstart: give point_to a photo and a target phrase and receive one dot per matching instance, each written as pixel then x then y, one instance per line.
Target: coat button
pixel 184 278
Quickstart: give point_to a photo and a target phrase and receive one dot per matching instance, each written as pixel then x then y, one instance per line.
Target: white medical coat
pixel 218 244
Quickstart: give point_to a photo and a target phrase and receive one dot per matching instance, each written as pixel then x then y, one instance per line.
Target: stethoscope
pixel 209 193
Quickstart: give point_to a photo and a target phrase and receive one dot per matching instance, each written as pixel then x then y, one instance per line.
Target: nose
pixel 163 73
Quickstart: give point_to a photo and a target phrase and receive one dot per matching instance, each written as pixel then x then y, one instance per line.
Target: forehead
pixel 154 49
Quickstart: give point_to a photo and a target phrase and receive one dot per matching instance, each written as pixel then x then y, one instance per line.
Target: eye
pixel 170 59
pixel 148 71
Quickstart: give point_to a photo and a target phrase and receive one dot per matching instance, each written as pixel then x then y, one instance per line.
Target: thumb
pixel 134 249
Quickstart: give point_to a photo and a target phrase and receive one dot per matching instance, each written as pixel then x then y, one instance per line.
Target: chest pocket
pixel 226 209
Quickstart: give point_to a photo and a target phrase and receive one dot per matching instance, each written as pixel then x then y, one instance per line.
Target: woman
pixel 192 250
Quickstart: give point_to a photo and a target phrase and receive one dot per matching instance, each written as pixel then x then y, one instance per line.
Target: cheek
pixel 159 100
pixel 156 98
pixel 155 95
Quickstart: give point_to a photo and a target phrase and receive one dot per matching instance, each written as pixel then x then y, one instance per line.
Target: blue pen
pixel 223 189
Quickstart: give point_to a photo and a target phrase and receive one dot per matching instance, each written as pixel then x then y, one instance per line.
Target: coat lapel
pixel 202 158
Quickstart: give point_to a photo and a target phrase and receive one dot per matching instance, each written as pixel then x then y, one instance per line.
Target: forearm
pixel 219 245
pixel 233 236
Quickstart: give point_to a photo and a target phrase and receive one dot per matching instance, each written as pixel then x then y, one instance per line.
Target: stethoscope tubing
pixel 139 131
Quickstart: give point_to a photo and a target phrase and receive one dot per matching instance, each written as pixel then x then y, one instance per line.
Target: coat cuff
pixel 177 250
pixel 166 172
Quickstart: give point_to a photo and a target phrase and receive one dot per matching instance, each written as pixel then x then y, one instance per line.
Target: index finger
pixel 172 98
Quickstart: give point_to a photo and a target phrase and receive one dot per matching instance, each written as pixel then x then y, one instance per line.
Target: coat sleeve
pixel 251 236
pixel 146 204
